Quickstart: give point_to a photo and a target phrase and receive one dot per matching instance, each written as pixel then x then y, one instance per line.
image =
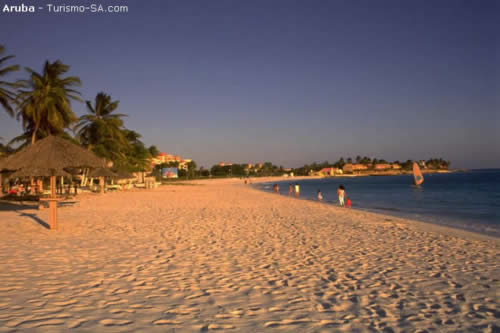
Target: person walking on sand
pixel 320 196
pixel 341 194
pixel 290 189
pixel 297 190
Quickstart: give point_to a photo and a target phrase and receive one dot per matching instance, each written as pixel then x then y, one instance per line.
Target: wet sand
pixel 220 255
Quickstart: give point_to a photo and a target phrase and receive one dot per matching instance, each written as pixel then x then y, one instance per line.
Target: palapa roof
pixel 102 172
pixel 38 172
pixel 52 153
pixel 124 175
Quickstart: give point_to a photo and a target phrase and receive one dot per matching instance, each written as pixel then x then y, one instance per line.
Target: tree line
pixel 42 103
pixel 433 163
pixel 243 170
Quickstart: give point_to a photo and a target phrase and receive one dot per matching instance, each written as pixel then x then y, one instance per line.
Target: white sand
pixel 223 256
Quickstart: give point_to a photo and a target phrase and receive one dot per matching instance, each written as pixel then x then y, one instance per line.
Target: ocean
pixel 466 200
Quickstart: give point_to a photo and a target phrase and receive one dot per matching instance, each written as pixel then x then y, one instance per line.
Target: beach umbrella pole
pixel 101 182
pixel 32 187
pixel 53 204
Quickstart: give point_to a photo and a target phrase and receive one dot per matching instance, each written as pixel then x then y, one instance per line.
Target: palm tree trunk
pixel 83 181
pixel 33 136
pixel 33 139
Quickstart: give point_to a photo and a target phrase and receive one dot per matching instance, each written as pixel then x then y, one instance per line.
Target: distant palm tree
pixel 7 89
pixel 45 101
pixel 101 124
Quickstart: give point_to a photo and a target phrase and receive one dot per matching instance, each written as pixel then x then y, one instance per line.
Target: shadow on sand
pixel 19 208
pixel 36 219
pixel 8 206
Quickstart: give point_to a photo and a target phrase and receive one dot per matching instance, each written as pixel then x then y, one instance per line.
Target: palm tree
pixel 45 101
pixel 101 126
pixel 7 94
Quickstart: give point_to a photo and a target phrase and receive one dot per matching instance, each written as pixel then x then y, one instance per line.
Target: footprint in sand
pixel 196 295
pixel 48 310
pixel 36 321
pixel 66 303
pixel 77 323
pixel 182 311
pixel 286 322
pixel 275 309
pixel 50 322
pixel 116 311
pixel 223 316
pixel 329 323
pixel 114 322
pixel 166 322
pixel 238 312
pixel 220 327
pixel 324 307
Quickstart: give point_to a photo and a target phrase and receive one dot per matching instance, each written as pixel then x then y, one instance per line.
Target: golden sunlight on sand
pixel 220 255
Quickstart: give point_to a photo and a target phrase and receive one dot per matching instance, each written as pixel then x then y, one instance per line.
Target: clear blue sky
pixel 284 81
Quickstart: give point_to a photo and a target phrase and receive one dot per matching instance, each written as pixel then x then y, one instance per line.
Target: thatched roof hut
pixel 102 172
pixel 124 175
pixel 52 153
pixel 38 172
pixel 50 156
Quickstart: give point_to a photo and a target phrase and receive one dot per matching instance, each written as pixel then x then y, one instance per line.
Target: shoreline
pixel 449 229
pixel 224 256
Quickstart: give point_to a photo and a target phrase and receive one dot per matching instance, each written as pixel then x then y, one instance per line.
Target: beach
pixel 221 255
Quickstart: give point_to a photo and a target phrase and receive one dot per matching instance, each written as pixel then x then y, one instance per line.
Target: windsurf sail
pixel 417 175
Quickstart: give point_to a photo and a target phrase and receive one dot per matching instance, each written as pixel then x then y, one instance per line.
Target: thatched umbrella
pixel 124 175
pixel 50 156
pixel 101 173
pixel 38 172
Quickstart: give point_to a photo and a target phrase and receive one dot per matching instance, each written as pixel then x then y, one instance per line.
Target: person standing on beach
pixel 297 190
pixel 341 194
pixel 290 189
pixel 320 196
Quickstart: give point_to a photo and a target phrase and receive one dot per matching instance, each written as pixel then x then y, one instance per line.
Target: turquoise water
pixel 467 200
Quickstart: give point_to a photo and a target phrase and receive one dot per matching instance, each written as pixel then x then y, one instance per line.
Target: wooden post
pixel 53 214
pixel 32 187
pixel 101 183
pixel 52 186
pixel 53 204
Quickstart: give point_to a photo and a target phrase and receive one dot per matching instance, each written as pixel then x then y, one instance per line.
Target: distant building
pixel 225 164
pixel 162 158
pixel 329 171
pixel 396 166
pixel 350 168
pixel 382 166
